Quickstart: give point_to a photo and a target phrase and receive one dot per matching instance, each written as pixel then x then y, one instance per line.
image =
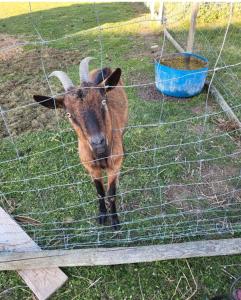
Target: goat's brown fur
pixel 113 124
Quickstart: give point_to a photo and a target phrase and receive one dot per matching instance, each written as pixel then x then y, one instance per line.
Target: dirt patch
pixel 214 176
pixel 137 51
pixel 216 189
pixel 226 125
pixel 199 129
pixel 22 77
pixel 10 47
pixel 179 197
pixel 201 109
pixel 149 93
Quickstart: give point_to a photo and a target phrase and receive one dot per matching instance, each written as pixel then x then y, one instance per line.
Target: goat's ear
pixel 113 79
pixel 49 102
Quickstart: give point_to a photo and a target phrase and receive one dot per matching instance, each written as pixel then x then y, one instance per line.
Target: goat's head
pixel 87 105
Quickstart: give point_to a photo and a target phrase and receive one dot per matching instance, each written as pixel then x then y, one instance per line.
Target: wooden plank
pixel 173 41
pixel 42 281
pixel 224 105
pixel 114 256
pixel 192 28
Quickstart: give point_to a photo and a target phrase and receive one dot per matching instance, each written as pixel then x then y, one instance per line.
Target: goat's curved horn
pixel 84 69
pixel 64 79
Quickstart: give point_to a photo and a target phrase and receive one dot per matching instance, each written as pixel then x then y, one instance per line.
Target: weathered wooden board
pixel 220 100
pixel 114 256
pixel 173 41
pixel 13 239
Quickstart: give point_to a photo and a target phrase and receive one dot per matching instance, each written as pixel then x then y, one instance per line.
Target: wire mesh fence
pixel 180 179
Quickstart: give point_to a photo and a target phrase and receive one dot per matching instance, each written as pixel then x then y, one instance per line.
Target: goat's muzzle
pixel 99 146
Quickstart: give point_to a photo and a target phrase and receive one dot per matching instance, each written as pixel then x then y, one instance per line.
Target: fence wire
pixel 180 179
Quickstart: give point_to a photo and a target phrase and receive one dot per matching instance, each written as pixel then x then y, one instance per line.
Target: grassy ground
pixel 153 206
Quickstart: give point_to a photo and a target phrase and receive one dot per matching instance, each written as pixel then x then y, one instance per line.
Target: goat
pixel 98 112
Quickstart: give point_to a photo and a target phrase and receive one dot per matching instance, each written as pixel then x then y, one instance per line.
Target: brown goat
pixel 98 112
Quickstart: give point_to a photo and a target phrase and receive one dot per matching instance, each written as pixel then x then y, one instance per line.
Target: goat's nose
pixel 98 140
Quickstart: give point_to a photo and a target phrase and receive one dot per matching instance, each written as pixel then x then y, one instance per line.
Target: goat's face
pixel 87 110
pixel 88 113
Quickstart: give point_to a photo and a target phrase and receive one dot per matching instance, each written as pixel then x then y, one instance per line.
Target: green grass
pixel 150 212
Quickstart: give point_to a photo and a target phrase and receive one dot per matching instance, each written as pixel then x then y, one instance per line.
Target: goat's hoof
pixel 115 223
pixel 102 218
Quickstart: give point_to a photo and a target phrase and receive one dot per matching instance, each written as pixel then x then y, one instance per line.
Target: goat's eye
pixel 68 115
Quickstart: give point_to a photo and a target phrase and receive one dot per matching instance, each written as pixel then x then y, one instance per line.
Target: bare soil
pixel 215 190
pixel 22 76
pixel 226 125
pixel 10 47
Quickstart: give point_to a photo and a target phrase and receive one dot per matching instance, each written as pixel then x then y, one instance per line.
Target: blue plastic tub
pixel 180 83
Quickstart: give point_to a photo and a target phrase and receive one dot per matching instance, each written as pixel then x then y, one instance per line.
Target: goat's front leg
pixel 96 175
pixel 111 198
pixel 101 196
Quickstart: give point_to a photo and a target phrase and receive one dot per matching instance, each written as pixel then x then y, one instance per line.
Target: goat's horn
pixel 84 69
pixel 64 79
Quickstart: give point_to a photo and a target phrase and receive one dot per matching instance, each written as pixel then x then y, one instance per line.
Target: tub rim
pixel 157 61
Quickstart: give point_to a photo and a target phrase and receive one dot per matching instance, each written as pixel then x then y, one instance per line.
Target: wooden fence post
pixel 192 28
pixel 161 11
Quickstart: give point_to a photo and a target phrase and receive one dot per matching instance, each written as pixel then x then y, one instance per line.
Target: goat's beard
pixel 101 158
pixel 102 154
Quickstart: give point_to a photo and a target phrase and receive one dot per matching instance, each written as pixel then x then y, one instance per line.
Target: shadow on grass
pixel 60 21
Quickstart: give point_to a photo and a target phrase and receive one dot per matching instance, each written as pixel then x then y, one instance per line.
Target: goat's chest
pixel 100 163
